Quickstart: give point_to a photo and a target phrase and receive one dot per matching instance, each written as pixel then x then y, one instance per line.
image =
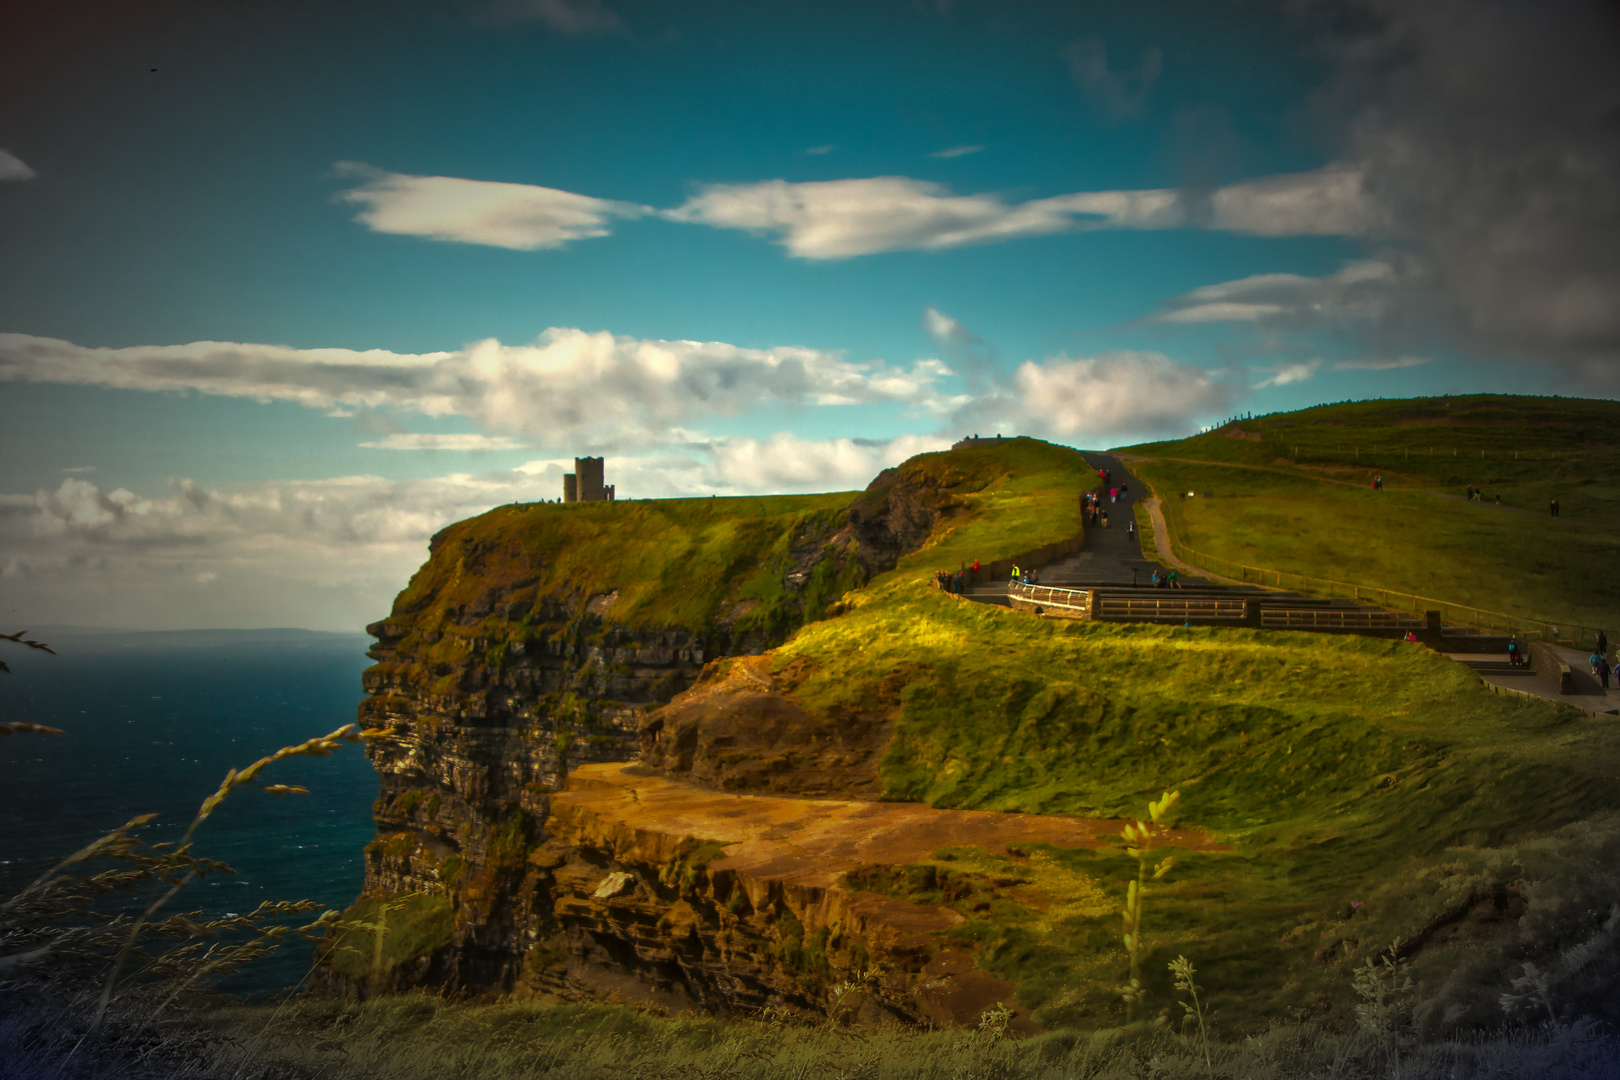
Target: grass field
pixel 1337 769
pixel 425 1038
pixel 1292 492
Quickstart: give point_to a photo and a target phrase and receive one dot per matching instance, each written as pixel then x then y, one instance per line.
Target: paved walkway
pixel 1112 555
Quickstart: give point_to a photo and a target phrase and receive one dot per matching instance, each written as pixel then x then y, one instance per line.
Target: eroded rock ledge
pixel 669 894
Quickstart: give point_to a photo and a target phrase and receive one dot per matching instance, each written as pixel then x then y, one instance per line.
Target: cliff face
pixel 531 642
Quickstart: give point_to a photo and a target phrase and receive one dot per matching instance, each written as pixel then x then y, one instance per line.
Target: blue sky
pixel 332 276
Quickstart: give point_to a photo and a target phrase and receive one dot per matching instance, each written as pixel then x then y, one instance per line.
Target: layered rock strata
pixel 512 658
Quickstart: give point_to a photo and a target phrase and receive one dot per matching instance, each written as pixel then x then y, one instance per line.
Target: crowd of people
pixel 1604 667
pixel 1600 662
pixel 957 581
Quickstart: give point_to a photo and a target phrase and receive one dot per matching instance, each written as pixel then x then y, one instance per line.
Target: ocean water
pixel 153 722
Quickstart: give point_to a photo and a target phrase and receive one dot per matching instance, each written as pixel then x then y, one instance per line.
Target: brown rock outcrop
pixel 671 894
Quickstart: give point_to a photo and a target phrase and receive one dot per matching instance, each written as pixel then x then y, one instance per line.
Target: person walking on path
pixel 1105 519
pixel 975 571
pixel 1603 643
pixel 1017 578
pixel 1599 669
pixel 1130 529
pixel 1554 508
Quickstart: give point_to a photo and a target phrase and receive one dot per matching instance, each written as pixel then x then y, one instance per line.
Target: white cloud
pixel 576 18
pixel 1360 291
pixel 402 441
pixel 817 151
pixel 833 219
pixel 1286 374
pixel 1096 398
pixel 521 217
pixel 1381 363
pixel 12 167
pixel 957 151
pixel 568 389
pixel 786 462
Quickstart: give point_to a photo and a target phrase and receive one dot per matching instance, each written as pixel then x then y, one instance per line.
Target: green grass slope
pixel 1334 767
pixel 1292 492
pixel 693 562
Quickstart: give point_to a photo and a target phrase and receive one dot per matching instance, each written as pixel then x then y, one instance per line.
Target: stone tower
pixel 584 484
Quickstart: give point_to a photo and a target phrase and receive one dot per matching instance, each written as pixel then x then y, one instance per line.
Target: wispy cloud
pixel 817 151
pixel 1381 364
pixel 1115 94
pixel 833 219
pixel 12 167
pixel 402 441
pixel 1359 291
pixel 569 388
pixel 522 217
pixel 957 151
pixel 1287 374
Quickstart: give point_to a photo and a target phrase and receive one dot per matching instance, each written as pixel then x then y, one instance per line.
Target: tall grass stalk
pixel 1183 970
pixel 1142 837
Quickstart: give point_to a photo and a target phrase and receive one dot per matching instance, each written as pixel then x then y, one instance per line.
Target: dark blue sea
pixel 153 721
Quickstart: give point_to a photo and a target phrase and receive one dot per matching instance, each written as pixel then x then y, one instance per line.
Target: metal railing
pixel 1450 611
pixel 1112 607
pixel 1338 619
pixel 1053 596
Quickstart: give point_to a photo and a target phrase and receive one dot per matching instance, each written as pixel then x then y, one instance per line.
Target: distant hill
pixel 1292 492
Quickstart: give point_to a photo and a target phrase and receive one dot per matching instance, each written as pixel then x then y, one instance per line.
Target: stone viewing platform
pixel 974 440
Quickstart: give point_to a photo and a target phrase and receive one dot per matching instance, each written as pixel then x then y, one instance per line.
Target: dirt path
pixel 810 842
pixel 1161 545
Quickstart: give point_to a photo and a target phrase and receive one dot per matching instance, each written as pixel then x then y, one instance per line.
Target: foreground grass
pixel 1291 492
pixel 421 1038
pixel 1336 769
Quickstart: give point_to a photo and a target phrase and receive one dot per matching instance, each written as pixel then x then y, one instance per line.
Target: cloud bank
pixel 331 554
pixel 568 389
pixel 837 219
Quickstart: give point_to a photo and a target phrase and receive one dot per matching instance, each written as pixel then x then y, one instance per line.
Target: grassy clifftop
pixel 1336 769
pixel 756 565
pixel 1291 492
